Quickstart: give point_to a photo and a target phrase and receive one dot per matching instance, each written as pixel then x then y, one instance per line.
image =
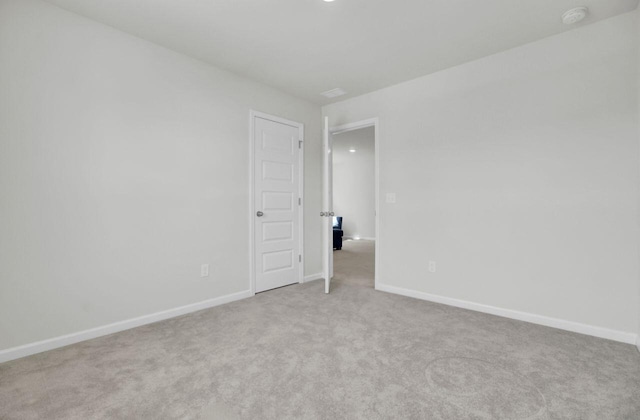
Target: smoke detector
pixel 574 15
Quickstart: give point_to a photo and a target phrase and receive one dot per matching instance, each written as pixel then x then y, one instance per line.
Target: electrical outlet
pixel 391 198
pixel 432 266
pixel 204 270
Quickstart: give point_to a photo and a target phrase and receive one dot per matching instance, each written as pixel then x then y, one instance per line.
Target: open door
pixel 327 205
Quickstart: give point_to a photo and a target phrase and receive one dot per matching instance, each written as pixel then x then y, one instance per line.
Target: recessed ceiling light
pixel 333 93
pixel 574 15
pixel 328 1
pixel 352 150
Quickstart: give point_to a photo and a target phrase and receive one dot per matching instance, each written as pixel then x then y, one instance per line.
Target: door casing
pixel 343 128
pixel 252 245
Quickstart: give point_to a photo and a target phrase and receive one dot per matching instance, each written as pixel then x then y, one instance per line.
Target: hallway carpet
pixel 354 264
pixel 296 353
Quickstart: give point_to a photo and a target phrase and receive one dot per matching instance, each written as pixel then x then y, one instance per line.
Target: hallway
pixel 354 264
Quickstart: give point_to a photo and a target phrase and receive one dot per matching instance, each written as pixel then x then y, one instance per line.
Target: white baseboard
pixel 312 277
pixel 359 238
pixel 638 342
pixel 621 336
pixel 65 340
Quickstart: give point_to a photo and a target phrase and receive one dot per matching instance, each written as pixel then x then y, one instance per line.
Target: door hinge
pixel 299 258
pixel 299 144
pixel 299 201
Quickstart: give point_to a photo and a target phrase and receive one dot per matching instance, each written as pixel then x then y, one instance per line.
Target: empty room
pixel 320 209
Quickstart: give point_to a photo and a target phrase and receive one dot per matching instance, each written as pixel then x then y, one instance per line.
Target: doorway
pixel 354 206
pixel 351 198
pixel 276 213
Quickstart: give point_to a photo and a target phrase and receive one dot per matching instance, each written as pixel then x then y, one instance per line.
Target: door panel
pixel 275 201
pixel 276 192
pixel 277 231
pixel 327 201
pixel 277 171
pixel 276 144
pixel 278 260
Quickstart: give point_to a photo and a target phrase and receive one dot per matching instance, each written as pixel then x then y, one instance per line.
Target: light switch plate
pixel 204 270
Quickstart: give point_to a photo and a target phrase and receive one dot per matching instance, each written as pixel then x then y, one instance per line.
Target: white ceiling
pixel 305 47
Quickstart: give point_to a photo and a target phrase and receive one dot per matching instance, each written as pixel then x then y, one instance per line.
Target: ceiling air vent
pixel 333 93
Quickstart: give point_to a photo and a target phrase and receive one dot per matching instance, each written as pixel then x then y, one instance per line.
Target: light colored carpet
pixel 296 353
pixel 353 265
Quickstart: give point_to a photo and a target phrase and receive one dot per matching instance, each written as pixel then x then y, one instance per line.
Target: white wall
pixel 354 182
pixel 123 167
pixel 518 174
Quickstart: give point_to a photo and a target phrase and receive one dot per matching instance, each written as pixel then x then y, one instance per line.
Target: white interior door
pixel 276 201
pixel 327 205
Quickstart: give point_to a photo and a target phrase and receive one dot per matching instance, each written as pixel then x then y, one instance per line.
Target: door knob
pixel 331 214
pixel 322 214
pixel 259 214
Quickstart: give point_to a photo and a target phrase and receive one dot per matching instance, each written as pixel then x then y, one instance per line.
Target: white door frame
pixel 252 257
pixel 375 123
